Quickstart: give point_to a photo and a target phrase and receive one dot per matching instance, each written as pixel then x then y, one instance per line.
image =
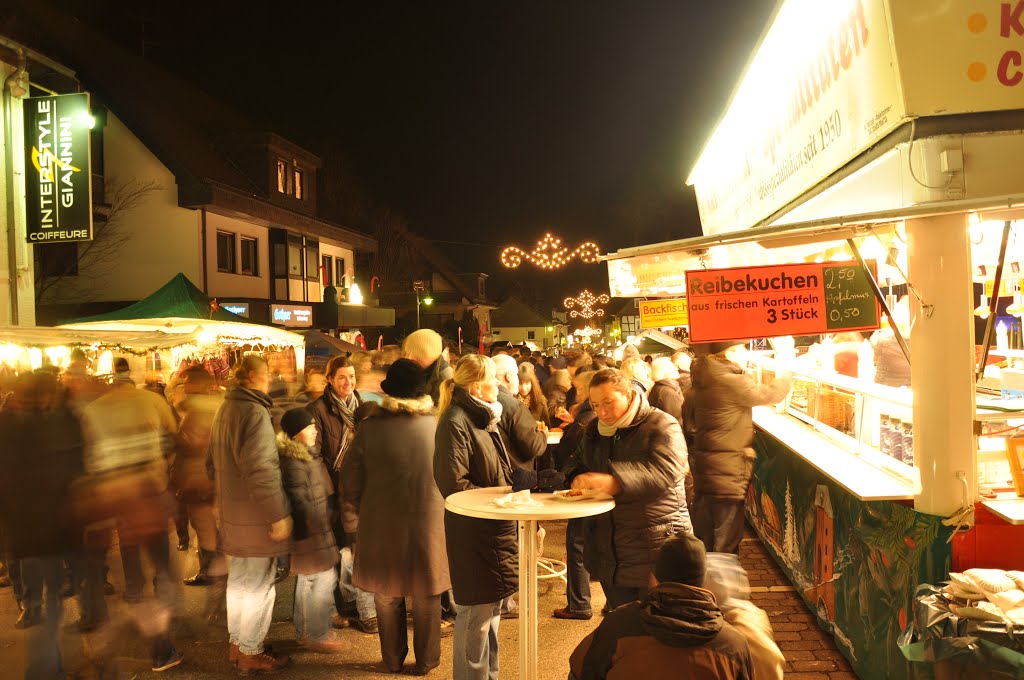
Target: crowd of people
pixel 342 481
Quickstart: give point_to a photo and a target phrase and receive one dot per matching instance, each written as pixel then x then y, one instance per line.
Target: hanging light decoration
pixel 587 334
pixel 584 303
pixel 550 254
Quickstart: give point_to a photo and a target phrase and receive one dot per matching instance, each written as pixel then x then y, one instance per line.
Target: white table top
pixel 477 503
pixel 1008 506
pixel 860 478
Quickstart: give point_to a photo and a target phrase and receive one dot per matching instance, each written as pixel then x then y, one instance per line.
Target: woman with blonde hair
pixel 471 451
pixel 530 393
pixel 639 372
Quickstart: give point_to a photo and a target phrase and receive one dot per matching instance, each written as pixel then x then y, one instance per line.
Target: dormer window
pixel 290 179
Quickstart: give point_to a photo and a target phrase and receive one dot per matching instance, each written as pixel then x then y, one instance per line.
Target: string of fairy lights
pixel 549 253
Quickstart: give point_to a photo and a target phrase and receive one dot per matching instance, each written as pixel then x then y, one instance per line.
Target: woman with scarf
pixel 471 451
pixel 635 453
pixel 334 415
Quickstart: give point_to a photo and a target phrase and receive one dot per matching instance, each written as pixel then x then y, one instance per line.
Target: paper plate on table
pixel 573 495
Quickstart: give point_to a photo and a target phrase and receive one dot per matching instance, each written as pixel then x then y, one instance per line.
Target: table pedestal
pixel 528 599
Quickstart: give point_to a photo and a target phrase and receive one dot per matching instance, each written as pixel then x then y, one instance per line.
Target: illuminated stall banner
pixel 790 299
pixel 292 316
pixel 663 313
pixel 58 171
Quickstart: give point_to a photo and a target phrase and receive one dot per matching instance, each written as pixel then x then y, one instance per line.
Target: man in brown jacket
pixel 676 631
pixel 253 511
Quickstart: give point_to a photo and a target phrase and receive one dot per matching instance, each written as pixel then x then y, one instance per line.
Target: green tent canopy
pixel 178 298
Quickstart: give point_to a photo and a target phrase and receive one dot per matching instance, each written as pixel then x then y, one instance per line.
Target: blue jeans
pixel 475 647
pixel 44 576
pixel 577 589
pixel 363 599
pixel 250 599
pixel 314 594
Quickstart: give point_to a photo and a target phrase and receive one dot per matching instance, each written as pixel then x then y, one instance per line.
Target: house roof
pixel 514 313
pixel 190 131
pixel 443 266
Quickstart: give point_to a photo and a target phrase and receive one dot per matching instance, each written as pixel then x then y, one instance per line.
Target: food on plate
pixel 571 493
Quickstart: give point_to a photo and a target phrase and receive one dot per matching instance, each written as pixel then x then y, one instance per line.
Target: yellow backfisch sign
pixel 663 313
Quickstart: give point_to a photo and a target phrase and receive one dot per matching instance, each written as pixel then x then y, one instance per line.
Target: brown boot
pixel 254 664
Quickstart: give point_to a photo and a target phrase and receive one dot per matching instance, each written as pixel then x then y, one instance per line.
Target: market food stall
pixel 859 143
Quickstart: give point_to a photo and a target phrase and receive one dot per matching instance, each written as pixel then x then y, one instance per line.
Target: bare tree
pixel 97 258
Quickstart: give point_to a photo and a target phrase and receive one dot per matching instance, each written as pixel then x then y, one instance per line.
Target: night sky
pixel 485 123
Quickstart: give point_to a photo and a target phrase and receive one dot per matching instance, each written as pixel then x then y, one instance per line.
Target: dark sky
pixel 483 122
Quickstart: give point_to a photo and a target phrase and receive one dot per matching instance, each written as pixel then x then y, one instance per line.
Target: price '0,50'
pixel 843 314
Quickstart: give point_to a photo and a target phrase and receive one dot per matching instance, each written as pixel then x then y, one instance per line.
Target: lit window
pixel 249 256
pixel 282 178
pixel 339 276
pixel 225 252
pixel 298 184
pixel 294 259
pixel 312 261
pixel 531 335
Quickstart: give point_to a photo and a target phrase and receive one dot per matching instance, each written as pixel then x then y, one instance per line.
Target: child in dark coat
pixel 314 552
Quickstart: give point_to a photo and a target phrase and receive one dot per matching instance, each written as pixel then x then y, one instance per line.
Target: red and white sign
pixel 770 301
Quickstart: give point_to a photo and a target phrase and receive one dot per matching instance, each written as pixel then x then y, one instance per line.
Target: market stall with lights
pixel 863 156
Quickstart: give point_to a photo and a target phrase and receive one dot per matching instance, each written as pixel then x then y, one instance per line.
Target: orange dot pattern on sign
pixel 976 71
pixel 977 22
pixel 550 254
pixel 585 303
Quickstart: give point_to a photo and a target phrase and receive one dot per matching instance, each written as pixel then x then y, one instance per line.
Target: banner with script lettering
pixel 58 171
pixel 788 299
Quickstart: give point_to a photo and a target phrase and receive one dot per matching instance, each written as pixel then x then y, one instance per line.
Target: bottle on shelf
pixel 908 442
pixel 1002 336
pixel 896 438
pixel 885 435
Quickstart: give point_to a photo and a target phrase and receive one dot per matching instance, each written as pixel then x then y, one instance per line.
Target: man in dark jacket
pixel 334 414
pixel 425 348
pixel 255 516
pixel 635 453
pixel 719 413
pixel 677 631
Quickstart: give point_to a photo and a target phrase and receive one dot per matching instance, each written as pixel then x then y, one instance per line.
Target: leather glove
pixel 550 480
pixel 523 479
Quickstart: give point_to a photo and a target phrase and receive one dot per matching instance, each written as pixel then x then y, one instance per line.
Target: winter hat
pixel 121 365
pixel 716 347
pixel 295 421
pixel 405 380
pixel 630 350
pixel 682 559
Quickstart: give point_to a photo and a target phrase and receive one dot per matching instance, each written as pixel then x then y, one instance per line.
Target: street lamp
pixel 424 300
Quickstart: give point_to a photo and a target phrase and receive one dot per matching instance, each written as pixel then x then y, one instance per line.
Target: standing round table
pixel 477 503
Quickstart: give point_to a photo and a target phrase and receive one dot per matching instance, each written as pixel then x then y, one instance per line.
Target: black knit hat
pixel 681 559
pixel 405 380
pixel 295 421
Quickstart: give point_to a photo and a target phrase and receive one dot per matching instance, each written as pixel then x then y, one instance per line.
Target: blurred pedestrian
pixel 557 393
pixel 394 514
pixel 638 372
pixel 665 394
pixel 424 348
pixel 472 451
pixel 682 360
pixel 253 510
pixel 718 410
pixel 636 454
pixel 676 631
pixel 314 554
pixel 41 453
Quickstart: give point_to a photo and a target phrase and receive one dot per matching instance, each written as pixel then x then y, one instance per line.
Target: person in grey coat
pixel 253 510
pixel 636 454
pixel 394 515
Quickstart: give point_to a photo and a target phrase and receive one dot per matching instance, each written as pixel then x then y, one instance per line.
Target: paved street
pixel 809 652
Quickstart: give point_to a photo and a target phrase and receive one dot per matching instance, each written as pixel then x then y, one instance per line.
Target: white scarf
pixel 626 419
pixel 494 407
